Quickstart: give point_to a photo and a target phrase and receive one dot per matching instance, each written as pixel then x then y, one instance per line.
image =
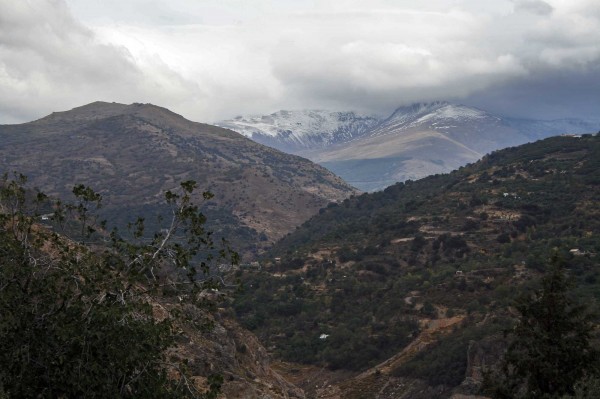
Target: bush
pixel 503 238
pixel 80 323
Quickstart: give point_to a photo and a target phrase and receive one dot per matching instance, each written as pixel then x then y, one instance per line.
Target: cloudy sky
pixel 214 59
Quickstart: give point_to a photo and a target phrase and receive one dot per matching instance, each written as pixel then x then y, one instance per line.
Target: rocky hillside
pixel 415 141
pixel 132 154
pixel 230 351
pixel 407 290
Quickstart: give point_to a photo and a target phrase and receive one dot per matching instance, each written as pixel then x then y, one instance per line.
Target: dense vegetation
pixel 364 271
pixel 90 322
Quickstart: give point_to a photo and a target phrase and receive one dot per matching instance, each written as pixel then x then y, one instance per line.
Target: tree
pixel 80 322
pixel 551 348
pixel 588 388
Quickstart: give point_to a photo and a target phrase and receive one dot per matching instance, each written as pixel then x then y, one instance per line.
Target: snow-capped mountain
pixel 413 142
pixel 475 128
pixel 293 131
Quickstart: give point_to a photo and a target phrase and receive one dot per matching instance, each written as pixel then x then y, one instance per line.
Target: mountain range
pixel 133 153
pixel 400 293
pixel 415 141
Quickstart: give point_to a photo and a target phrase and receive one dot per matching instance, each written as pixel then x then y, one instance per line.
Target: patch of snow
pixel 460 111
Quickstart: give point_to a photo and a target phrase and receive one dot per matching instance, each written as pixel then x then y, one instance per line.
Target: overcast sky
pixel 214 59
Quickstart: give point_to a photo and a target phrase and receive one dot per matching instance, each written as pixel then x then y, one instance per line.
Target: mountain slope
pixel 382 160
pixel 414 142
pixel 380 276
pixel 418 141
pixel 133 153
pixel 477 129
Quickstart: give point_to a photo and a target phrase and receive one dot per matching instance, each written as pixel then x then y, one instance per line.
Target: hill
pixel 415 141
pixel 408 287
pixel 133 153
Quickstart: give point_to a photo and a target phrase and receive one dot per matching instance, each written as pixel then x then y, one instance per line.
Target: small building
pixel 46 216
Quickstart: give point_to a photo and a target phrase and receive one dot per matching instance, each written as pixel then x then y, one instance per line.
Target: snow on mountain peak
pixel 435 113
pixel 304 128
pixel 438 110
pixel 459 111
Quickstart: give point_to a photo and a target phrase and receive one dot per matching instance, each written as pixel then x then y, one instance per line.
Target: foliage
pixel 551 347
pixel 82 322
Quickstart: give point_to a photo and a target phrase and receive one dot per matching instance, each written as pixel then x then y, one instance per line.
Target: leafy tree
pixel 551 350
pixel 77 322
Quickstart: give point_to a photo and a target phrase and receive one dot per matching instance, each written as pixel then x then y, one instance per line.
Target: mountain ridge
pixel 473 132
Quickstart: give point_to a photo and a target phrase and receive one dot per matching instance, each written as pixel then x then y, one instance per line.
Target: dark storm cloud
pixel 552 95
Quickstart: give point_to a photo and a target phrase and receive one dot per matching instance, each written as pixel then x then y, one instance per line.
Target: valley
pixel 226 199
pixel 400 293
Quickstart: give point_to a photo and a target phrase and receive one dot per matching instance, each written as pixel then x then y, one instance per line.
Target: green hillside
pixel 370 271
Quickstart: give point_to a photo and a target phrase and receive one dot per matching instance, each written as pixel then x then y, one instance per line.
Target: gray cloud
pixel 535 6
pixel 214 59
pixel 409 56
